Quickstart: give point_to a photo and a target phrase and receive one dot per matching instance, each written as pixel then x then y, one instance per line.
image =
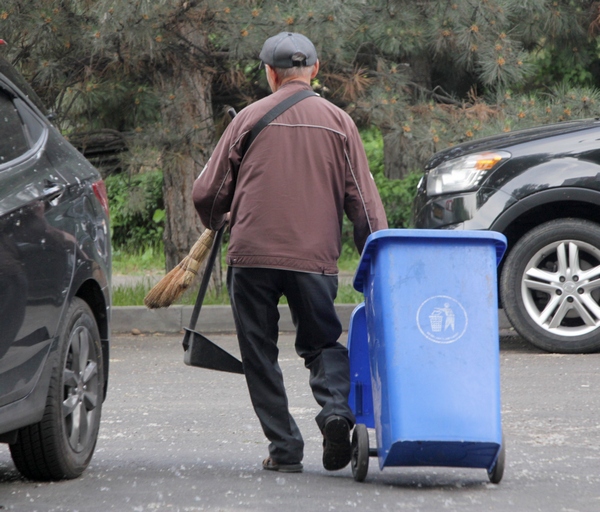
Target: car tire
pixel 61 445
pixel 550 286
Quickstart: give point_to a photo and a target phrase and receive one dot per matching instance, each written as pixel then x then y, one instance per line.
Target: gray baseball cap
pixel 288 49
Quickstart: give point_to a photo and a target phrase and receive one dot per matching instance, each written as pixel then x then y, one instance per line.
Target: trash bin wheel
pixel 497 472
pixel 360 452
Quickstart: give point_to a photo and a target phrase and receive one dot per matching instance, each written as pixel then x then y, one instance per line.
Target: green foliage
pixel 396 194
pixel 397 197
pixel 551 66
pixel 136 210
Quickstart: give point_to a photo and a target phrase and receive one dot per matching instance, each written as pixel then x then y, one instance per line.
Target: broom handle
pixel 205 280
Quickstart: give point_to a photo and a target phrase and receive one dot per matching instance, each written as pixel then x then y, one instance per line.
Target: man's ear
pixel 272 77
pixel 315 70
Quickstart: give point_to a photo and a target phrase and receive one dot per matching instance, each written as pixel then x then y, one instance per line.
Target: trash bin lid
pixel 418 234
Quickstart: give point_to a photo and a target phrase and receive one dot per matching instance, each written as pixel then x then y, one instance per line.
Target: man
pixel 285 195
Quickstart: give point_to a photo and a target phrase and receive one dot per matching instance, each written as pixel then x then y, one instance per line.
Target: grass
pixel 348 295
pixel 151 261
pixel 144 261
pixel 134 296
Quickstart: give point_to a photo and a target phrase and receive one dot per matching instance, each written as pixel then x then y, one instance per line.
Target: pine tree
pixel 454 70
pixel 149 69
pixel 159 74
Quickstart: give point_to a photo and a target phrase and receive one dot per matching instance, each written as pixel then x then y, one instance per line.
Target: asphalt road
pixel 175 438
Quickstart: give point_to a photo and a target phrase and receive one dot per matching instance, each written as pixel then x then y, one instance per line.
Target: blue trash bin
pixel 429 330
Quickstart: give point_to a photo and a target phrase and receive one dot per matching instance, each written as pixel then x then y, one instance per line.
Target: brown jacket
pixel 297 178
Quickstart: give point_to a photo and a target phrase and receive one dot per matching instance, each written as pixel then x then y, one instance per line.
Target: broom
pixel 178 280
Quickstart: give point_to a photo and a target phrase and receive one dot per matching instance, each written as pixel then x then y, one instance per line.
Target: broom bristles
pixel 172 286
pixel 157 297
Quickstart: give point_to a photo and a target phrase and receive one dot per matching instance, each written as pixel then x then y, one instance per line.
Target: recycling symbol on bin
pixel 442 319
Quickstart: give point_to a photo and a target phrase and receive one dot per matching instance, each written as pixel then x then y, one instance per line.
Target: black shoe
pixel 270 465
pixel 337 450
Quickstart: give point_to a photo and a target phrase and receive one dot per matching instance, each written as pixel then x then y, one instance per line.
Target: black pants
pixel 255 293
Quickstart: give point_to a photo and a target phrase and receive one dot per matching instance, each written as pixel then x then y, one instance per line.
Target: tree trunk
pixel 397 154
pixel 190 133
pixel 183 163
pixel 420 70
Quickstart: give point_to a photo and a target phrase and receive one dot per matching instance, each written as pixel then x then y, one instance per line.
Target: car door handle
pixel 52 191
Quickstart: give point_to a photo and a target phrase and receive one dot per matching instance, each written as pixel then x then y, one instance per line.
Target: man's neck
pixel 294 79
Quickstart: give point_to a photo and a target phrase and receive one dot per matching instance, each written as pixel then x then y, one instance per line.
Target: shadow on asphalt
pixel 9 474
pixel 512 342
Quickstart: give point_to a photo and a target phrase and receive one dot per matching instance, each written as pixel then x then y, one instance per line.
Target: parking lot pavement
pixel 176 438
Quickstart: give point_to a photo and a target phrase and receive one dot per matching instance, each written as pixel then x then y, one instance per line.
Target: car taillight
pixel 100 192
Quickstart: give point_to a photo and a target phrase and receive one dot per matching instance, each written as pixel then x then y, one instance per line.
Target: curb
pixel 213 319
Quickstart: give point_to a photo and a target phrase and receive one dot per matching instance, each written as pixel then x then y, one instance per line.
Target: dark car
pixel 541 188
pixel 54 291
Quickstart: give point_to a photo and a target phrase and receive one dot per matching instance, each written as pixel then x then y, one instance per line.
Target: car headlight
pixel 464 173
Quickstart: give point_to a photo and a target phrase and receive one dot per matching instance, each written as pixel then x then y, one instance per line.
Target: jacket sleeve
pixel 213 189
pixel 362 202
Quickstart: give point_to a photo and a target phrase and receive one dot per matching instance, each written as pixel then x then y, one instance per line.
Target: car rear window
pixel 13 140
pixel 16 78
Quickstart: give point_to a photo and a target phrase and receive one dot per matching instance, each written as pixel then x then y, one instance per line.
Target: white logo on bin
pixel 442 319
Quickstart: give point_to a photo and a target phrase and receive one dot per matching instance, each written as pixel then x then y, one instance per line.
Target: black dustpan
pixel 199 350
pixel 204 353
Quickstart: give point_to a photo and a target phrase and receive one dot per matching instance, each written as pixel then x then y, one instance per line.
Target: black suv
pixel 54 291
pixel 541 188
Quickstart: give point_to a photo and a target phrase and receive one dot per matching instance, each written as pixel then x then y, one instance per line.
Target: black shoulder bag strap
pixel 275 112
